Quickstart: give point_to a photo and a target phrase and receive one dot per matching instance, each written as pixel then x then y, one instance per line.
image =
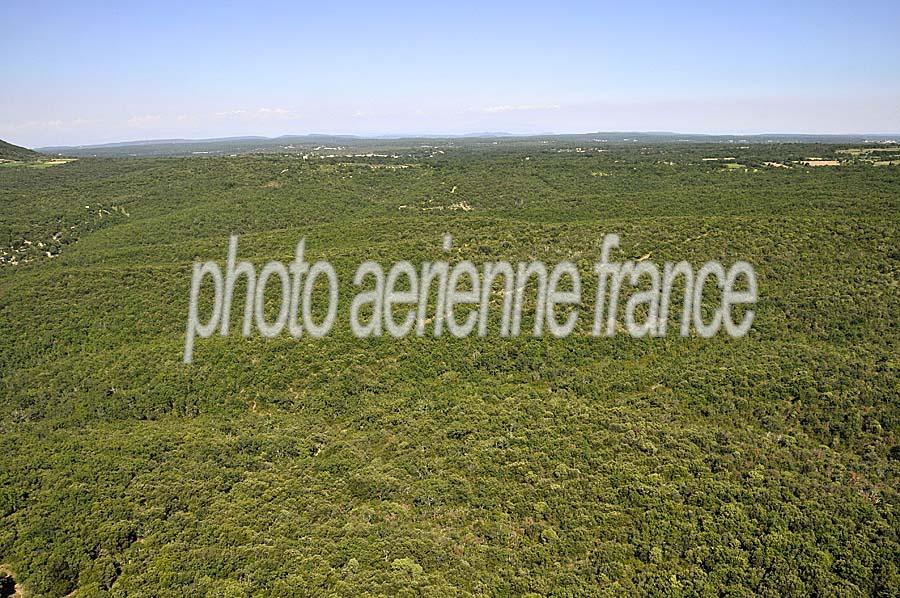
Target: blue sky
pixel 89 72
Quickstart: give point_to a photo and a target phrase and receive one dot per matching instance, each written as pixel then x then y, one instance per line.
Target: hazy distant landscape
pixel 325 144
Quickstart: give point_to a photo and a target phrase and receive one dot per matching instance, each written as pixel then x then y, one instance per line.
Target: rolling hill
pixel 8 151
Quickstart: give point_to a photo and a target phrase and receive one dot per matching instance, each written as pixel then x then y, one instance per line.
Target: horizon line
pixel 475 134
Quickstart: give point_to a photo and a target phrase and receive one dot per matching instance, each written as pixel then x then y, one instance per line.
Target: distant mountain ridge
pixel 8 151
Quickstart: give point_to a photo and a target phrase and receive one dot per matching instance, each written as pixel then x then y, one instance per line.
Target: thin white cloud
pixel 517 108
pixel 48 124
pixel 143 121
pixel 278 112
pixel 258 113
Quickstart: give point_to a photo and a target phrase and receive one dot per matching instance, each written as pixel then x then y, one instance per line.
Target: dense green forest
pixel 440 466
pixel 10 152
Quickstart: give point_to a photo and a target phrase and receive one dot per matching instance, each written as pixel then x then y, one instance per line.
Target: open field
pixel 40 163
pixel 443 466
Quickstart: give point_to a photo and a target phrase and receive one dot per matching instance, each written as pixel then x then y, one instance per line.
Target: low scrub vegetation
pixel 442 466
